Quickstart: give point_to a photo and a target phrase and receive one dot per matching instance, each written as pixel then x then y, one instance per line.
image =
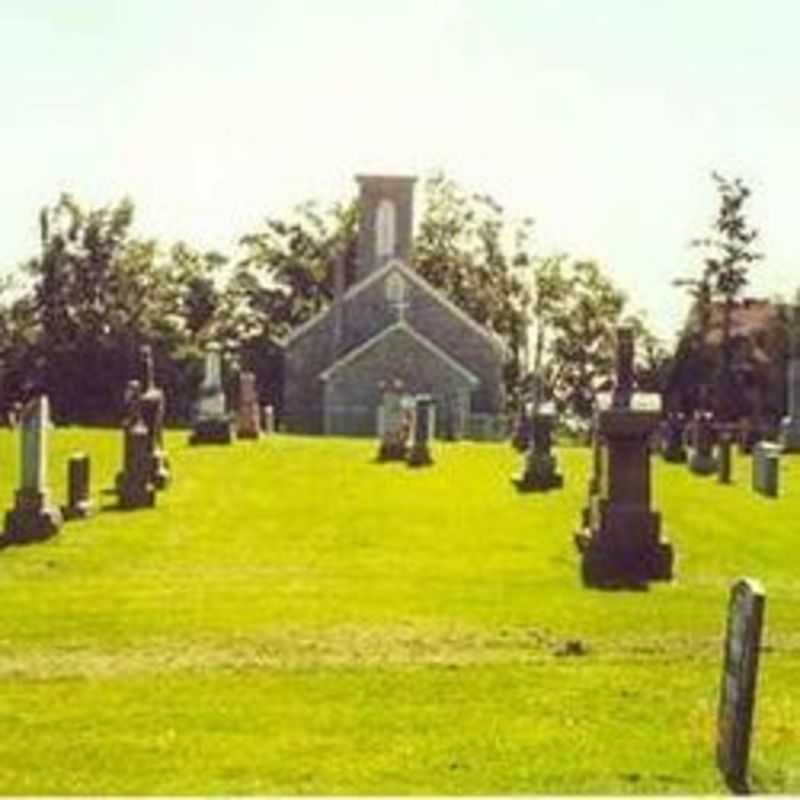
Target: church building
pixel 390 326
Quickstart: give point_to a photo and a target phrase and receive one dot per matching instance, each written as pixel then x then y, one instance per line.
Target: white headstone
pixel 33 442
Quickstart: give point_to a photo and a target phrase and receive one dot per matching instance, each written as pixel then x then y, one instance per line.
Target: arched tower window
pixel 385 230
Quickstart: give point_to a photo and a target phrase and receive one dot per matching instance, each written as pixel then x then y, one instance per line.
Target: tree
pixel 466 247
pixel 581 352
pixel 728 254
pixel 284 274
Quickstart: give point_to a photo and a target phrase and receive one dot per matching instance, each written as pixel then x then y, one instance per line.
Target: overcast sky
pixel 602 119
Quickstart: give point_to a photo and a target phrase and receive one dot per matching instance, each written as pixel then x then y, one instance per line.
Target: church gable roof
pixel 400 327
pixel 415 278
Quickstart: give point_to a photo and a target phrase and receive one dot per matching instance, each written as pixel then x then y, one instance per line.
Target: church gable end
pixel 353 386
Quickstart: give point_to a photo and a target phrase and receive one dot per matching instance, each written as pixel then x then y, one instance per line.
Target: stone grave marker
pixel 701 441
pixel 394 424
pixel 152 410
pixel 269 419
pixel 766 468
pixel 673 429
pixel 724 458
pixel 539 467
pixel 620 539
pixel 212 424
pixel 79 503
pixel 790 425
pixel 419 454
pixel 134 484
pixel 248 420
pixel 33 516
pixel 738 684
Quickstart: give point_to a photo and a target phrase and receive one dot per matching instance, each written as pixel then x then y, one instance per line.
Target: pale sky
pixel 602 119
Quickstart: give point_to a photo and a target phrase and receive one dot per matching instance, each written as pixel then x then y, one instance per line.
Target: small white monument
pixel 33 516
pixel 212 424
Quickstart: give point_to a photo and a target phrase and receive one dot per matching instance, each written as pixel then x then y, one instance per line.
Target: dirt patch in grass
pixel 342 646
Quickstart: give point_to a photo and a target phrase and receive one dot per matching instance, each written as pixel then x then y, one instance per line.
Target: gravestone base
pixel 212 431
pixel 83 509
pixel 540 474
pixel 790 435
pixel 133 492
pixel 161 474
pixel 248 433
pixel 624 550
pixel 419 455
pixel 702 463
pixel 33 518
pixel 674 454
pixel 393 448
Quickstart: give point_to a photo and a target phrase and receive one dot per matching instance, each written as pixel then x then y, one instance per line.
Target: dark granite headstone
pixel 702 438
pixel 620 538
pixel 134 484
pixel 539 468
pixel 673 430
pixel 738 684
pixel 79 503
pixel 523 431
pixel 724 457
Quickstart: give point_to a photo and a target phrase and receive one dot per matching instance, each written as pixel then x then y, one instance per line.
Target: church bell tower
pixel 387 215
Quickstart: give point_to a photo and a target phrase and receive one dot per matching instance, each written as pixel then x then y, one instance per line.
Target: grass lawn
pixel 294 618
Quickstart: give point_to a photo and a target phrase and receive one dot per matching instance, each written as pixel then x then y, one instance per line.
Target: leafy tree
pixel 284 275
pixel 581 353
pixel 728 254
pixel 467 248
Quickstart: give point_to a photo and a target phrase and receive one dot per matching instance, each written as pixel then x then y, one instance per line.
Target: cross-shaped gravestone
pixel 623 387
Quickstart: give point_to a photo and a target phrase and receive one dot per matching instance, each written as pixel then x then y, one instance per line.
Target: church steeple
pixel 387 215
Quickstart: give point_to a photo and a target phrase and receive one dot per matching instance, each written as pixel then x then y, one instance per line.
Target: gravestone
pixel 620 537
pixel 523 431
pixel 152 409
pixel 790 425
pixel 134 484
pixel 248 421
pixel 79 503
pixel 673 429
pixel 701 443
pixel 766 468
pixel 750 433
pixel 269 420
pixel 33 516
pixel 394 428
pixel 456 416
pixel 212 424
pixel 724 457
pixel 739 677
pixel 419 453
pixel 539 467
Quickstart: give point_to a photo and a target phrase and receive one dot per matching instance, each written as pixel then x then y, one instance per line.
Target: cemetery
pixel 425 598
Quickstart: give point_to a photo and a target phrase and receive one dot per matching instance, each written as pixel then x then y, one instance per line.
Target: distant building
pixel 389 325
pixel 759 353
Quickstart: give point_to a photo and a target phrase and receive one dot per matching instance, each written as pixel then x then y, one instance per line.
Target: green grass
pixel 294 618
